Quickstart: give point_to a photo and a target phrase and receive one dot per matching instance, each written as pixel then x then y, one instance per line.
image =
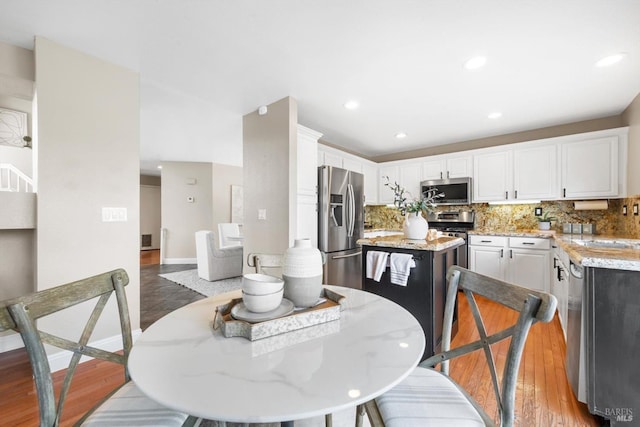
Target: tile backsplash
pixel 521 217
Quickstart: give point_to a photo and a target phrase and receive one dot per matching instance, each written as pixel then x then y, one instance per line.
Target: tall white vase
pixel 302 273
pixel 415 227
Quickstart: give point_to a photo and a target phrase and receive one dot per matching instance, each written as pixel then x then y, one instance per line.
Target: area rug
pixel 189 279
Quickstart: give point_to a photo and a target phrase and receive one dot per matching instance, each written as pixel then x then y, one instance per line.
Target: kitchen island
pixel 426 287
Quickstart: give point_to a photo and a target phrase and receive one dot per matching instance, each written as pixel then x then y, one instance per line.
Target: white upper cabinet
pixel 333 157
pixel 385 195
pixel 370 171
pixel 329 159
pixel 492 176
pixel 526 172
pixel 410 175
pixel 352 165
pixel 443 167
pixel 590 168
pixel 535 175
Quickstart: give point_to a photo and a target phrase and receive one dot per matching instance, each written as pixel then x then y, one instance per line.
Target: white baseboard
pixel 180 261
pixel 10 342
pixel 61 359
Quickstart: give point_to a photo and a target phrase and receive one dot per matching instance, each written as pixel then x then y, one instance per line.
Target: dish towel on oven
pixel 401 265
pixel 376 264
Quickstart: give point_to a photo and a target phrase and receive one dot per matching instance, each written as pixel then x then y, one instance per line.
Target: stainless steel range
pixel 454 223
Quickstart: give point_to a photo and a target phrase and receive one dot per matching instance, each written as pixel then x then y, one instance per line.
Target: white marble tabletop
pixel 181 362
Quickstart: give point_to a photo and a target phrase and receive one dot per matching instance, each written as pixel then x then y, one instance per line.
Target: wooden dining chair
pixel 127 405
pixel 429 397
pixel 265 261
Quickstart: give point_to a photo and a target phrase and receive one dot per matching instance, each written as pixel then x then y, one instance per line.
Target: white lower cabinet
pixel 524 261
pixel 486 255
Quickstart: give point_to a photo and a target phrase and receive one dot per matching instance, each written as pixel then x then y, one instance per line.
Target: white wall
pixel 87 146
pixel 269 159
pixel 180 217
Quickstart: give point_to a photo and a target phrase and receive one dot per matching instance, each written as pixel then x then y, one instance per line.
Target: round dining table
pixel 182 362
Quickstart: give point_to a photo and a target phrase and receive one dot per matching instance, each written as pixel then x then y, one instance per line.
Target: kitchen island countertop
pixel 399 241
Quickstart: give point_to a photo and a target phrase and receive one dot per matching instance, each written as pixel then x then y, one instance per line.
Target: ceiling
pixel 205 64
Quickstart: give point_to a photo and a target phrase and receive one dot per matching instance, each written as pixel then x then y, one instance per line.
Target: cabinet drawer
pixel 529 243
pixel 488 240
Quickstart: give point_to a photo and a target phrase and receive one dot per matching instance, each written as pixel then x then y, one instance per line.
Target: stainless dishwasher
pixel 576 343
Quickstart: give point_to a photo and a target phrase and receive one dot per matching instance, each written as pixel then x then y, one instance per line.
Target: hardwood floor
pixel 543 396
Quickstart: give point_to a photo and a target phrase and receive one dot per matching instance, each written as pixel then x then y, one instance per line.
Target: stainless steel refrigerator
pixel 340 225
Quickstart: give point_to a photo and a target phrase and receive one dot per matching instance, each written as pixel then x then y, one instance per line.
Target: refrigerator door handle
pixel 352 208
pixel 346 256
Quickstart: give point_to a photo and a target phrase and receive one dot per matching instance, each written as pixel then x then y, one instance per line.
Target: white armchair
pixel 215 263
pixel 226 232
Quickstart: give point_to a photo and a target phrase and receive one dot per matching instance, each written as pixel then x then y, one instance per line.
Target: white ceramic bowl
pixel 260 284
pixel 262 303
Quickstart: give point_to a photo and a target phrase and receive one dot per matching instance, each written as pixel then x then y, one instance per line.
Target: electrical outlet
pixel 538 211
pixel 635 209
pixel 624 210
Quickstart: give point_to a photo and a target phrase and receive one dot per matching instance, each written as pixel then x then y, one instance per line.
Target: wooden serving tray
pixel 325 312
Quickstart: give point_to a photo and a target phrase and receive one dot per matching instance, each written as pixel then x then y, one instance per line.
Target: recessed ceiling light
pixel 159 166
pixel 495 115
pixel 475 63
pixel 401 135
pixel 610 60
pixel 351 105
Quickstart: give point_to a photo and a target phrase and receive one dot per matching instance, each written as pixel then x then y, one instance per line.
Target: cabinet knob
pixel 506 195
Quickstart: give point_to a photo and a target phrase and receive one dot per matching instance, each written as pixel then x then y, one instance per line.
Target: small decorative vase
pixel 415 227
pixel 302 273
pixel 544 225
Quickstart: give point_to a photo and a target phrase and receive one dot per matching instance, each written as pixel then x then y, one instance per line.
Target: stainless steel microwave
pixel 457 191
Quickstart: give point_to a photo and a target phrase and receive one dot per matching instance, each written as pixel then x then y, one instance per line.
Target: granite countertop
pixel 588 250
pixel 620 258
pixel 399 241
pixel 545 234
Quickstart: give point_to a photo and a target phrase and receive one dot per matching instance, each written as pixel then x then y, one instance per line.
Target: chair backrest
pixel 21 314
pixel 262 261
pixel 533 306
pixel 226 230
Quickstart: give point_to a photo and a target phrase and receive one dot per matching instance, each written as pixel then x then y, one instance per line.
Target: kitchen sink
pixel 607 244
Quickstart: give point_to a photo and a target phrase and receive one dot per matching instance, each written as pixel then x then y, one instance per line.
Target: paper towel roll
pixel 591 205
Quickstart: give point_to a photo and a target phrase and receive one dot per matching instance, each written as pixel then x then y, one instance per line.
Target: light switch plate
pixel 262 214
pixel 114 214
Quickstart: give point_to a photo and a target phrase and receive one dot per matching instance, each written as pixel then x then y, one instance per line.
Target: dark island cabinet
pixel 424 295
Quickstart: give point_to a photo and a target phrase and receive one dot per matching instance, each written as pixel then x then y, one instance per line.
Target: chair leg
pixel 328 420
pixel 359 415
